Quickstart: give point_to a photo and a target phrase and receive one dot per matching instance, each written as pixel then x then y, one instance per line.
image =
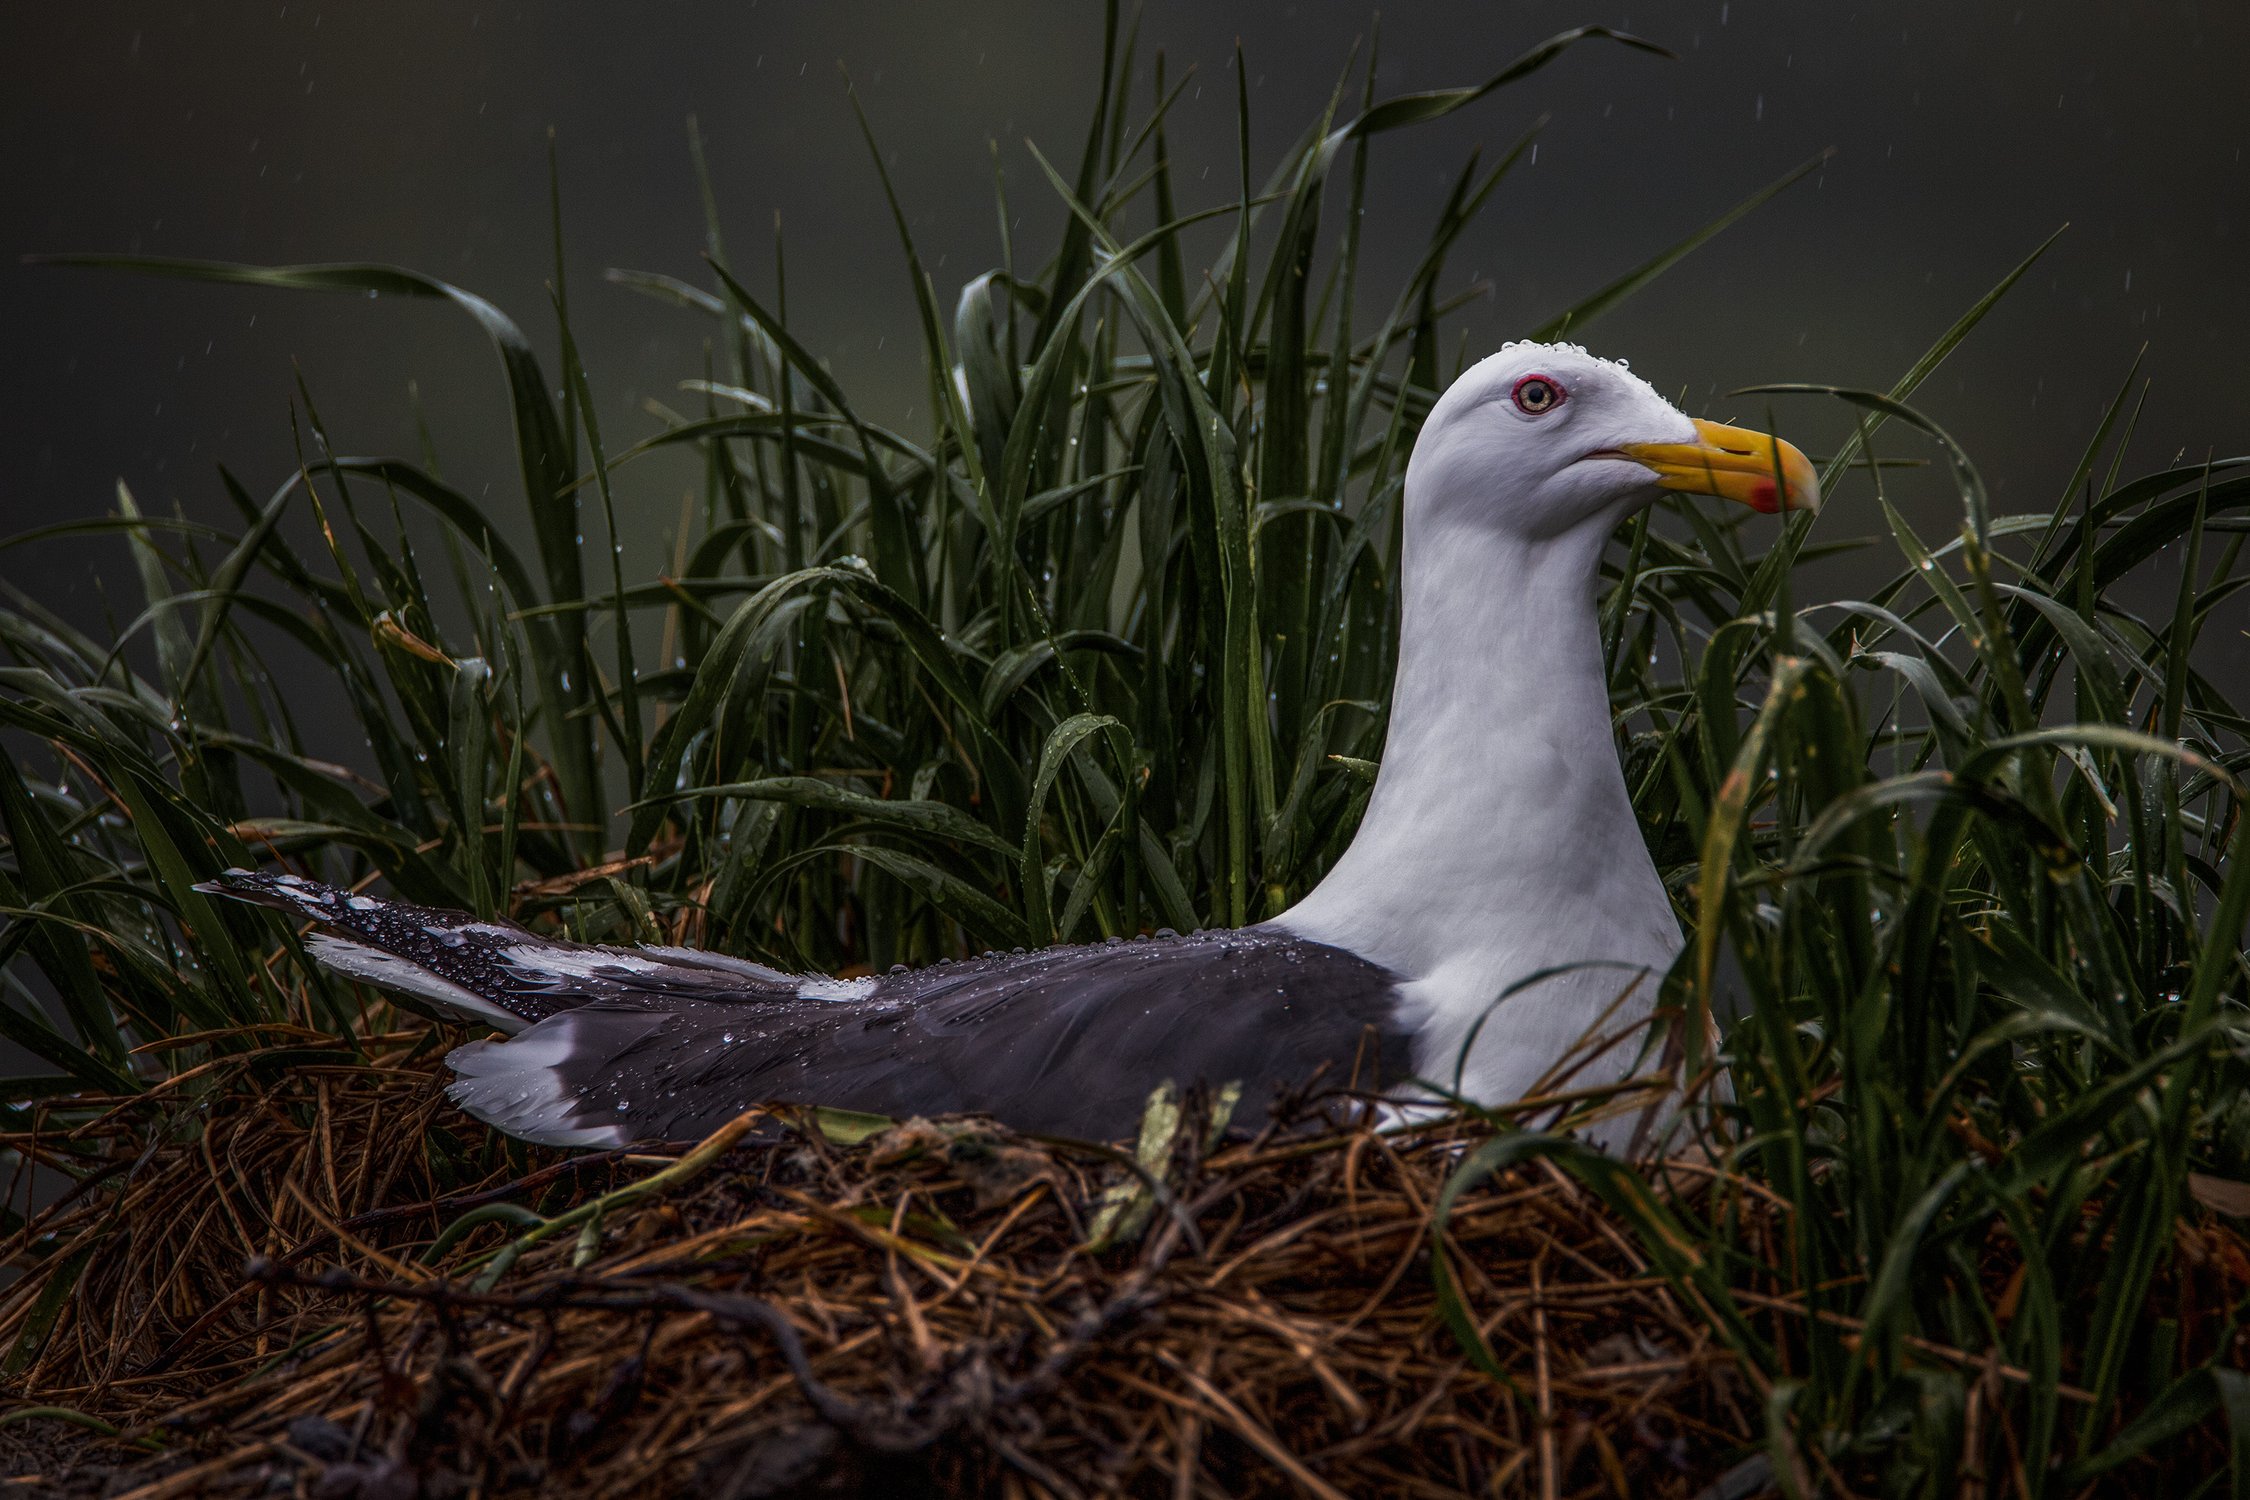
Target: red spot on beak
pixel 1764 499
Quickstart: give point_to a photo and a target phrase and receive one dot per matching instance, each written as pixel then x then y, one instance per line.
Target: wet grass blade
pixel 542 457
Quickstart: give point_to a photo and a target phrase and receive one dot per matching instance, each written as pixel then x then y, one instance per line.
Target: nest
pixel 324 1281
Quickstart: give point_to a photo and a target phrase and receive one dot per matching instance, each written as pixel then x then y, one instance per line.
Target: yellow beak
pixel 1734 463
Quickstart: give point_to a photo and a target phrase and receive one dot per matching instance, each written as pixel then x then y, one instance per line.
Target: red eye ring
pixel 1537 395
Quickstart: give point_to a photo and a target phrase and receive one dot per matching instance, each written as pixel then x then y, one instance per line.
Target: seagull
pixel 1496 909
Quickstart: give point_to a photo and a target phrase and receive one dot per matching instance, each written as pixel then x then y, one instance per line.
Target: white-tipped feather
pixel 834 989
pixel 390 972
pixel 724 963
pixel 549 963
pixel 518 1087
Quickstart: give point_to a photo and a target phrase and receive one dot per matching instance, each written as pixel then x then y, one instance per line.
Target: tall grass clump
pixel 1107 648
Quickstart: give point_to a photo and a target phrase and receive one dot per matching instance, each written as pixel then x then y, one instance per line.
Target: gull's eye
pixel 1536 395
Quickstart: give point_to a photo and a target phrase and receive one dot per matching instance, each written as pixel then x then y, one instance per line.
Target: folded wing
pixel 610 1045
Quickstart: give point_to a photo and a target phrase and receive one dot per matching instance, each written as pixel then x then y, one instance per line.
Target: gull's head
pixel 1543 439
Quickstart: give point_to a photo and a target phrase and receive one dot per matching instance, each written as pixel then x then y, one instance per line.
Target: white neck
pixel 1500 839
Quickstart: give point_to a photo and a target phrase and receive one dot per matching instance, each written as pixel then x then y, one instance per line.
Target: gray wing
pixel 1066 1041
pixel 621 1044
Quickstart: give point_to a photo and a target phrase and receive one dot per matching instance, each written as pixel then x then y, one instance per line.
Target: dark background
pixel 417 133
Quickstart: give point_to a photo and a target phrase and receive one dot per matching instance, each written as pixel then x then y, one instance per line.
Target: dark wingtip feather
pixel 487 968
pixel 453 959
pixel 308 899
